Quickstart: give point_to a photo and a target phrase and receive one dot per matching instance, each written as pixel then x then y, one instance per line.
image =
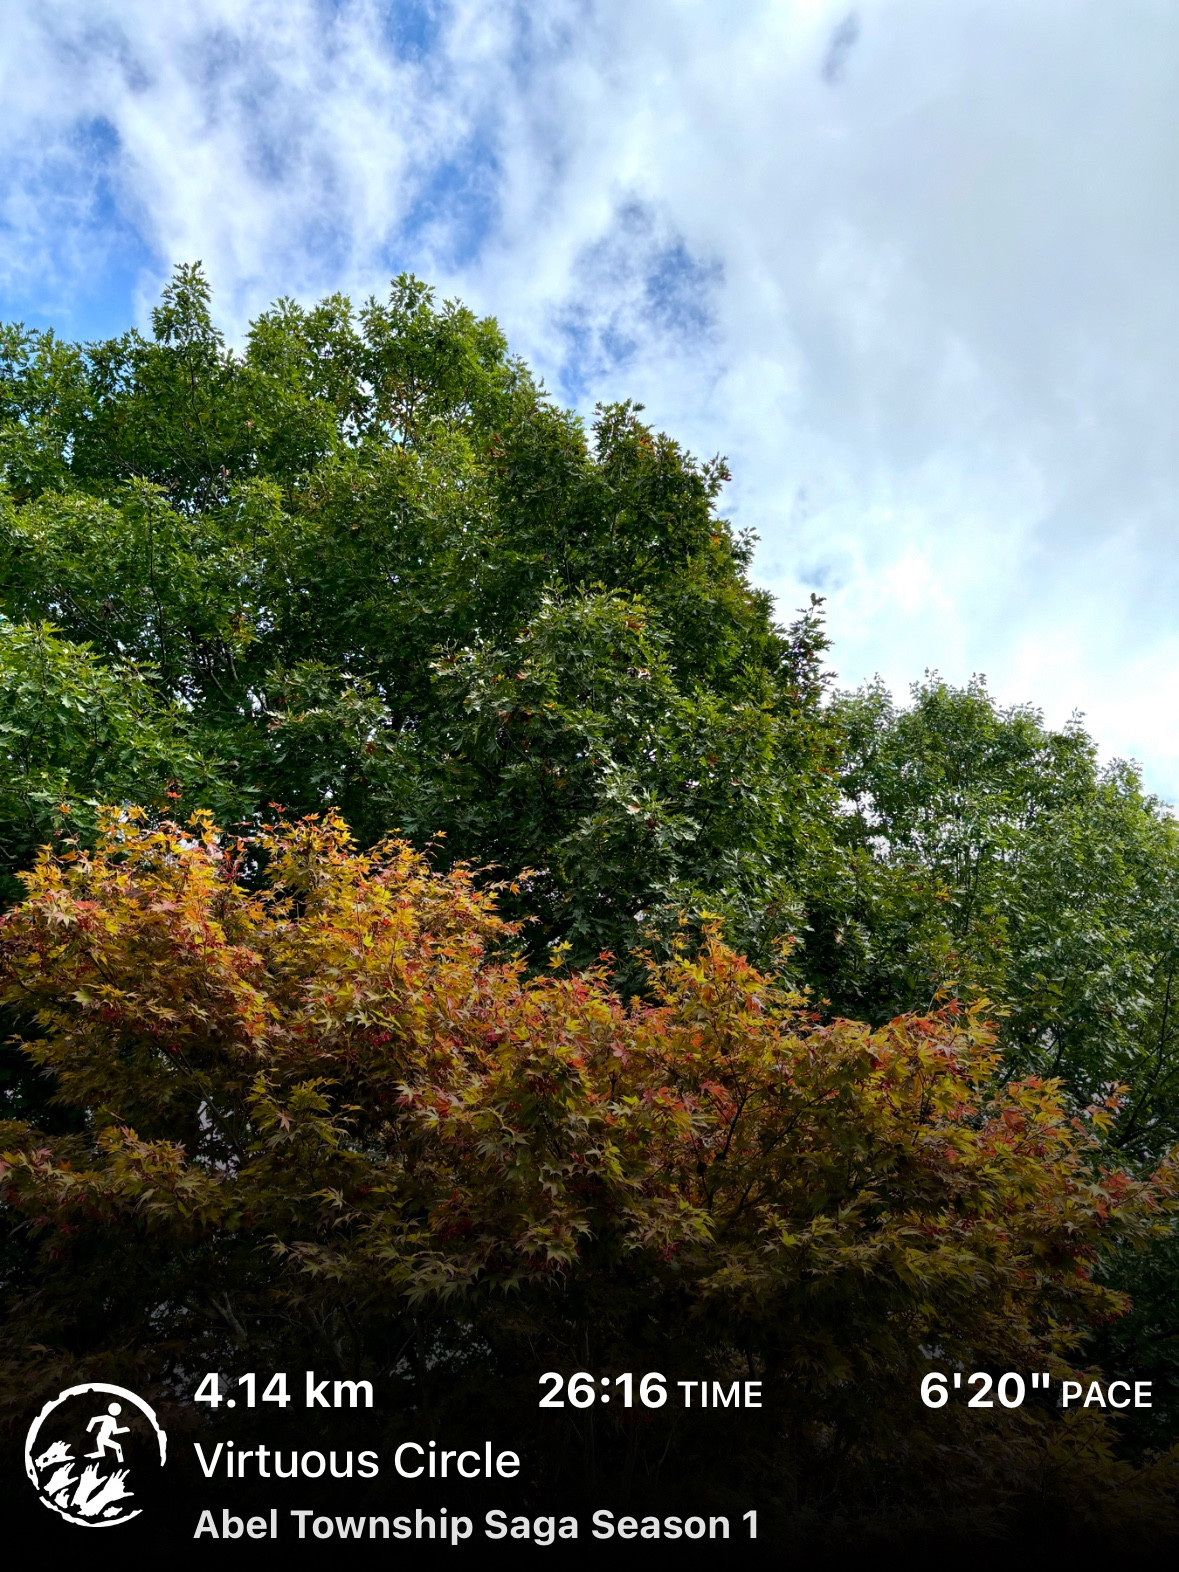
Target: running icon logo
pixel 85 1450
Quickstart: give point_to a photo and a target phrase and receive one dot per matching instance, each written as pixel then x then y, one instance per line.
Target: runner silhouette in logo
pixel 103 1495
pixel 108 1427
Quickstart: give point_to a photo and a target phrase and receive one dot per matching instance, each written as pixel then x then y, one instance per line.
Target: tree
pixel 990 856
pixel 321 555
pixel 76 732
pixel 340 1098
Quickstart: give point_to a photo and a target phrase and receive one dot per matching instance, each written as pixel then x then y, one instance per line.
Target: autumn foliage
pixel 313 1099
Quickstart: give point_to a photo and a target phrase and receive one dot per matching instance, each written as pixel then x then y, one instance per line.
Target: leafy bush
pixel 336 1113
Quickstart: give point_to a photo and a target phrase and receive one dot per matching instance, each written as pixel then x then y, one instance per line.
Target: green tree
pixel 77 732
pixel 991 856
pixel 373 567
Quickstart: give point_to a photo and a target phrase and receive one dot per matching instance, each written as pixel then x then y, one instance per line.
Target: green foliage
pixel 992 857
pixel 375 568
pixel 575 753
pixel 76 733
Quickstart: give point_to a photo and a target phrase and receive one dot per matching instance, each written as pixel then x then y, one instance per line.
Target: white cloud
pixel 285 144
pixel 945 349
pixel 910 264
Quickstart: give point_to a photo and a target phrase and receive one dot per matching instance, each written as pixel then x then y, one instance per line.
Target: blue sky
pixel 909 263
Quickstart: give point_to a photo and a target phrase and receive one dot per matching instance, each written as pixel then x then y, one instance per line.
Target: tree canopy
pixel 367 563
pixel 994 856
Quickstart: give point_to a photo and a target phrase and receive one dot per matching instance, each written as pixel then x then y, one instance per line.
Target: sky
pixel 910 264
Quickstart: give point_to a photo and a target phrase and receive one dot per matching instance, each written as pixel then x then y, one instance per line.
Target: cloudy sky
pixel 910 263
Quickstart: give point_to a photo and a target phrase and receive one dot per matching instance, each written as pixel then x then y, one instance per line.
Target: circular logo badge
pixel 87 1450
